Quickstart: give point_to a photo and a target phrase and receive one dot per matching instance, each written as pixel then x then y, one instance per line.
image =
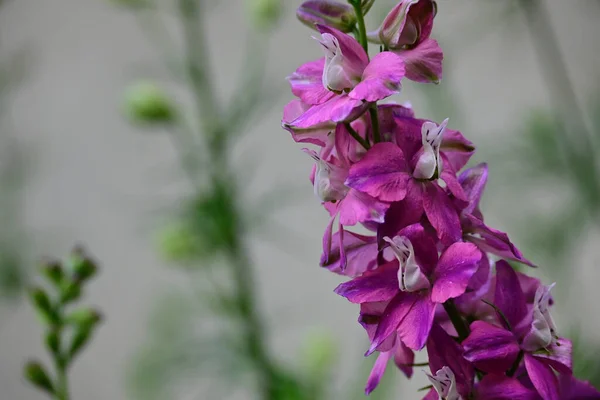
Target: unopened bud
pixel 326 12
pixel 147 103
pixel 36 374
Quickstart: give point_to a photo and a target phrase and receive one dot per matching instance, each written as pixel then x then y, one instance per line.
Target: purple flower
pixel 408 173
pixel 406 30
pixel 326 12
pixel 413 284
pixel 339 87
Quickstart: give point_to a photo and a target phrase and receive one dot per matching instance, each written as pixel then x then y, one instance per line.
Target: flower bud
pixel 147 103
pixel 409 23
pixel 326 12
pixel 366 6
pixel 264 13
pixel 36 374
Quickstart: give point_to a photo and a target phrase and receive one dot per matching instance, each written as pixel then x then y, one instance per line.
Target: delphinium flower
pixel 430 274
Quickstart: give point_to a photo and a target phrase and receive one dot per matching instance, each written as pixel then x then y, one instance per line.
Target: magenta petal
pixel 449 177
pixel 403 213
pixel 424 62
pixel 509 297
pixel 493 241
pixel 337 109
pixel 382 173
pixel 415 326
pixel 378 370
pixel 443 351
pixel 319 135
pixel 424 247
pixel 473 181
pixel 559 356
pixel 457 149
pixel 490 348
pixel 360 207
pixel 307 83
pixel 574 389
pixel 378 285
pixel 441 214
pixel 355 57
pixel 454 270
pixel 327 238
pixel 361 254
pixel 501 387
pixel 404 358
pixel 542 377
pixel 393 314
pixel 381 78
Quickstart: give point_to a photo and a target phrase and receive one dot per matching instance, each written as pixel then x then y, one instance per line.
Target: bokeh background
pixel 73 170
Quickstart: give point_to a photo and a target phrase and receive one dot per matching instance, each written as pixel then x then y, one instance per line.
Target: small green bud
pixel 264 13
pixel 53 341
pixel 36 374
pixel 43 306
pixel 70 291
pixel 82 267
pixel 319 352
pixel 53 271
pixel 147 103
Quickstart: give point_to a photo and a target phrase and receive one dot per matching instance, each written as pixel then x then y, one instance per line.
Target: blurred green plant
pixel 67 330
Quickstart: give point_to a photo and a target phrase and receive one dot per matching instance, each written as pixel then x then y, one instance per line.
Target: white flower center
pixel 410 276
pixel 444 383
pixel 335 76
pixel 543 329
pixel 329 179
pixel 429 162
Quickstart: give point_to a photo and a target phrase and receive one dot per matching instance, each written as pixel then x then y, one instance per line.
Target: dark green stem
pixel 457 320
pixel 375 123
pixel 362 29
pixel 363 142
pixel 515 366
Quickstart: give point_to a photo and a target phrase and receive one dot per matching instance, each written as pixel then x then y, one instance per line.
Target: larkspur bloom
pixel 430 272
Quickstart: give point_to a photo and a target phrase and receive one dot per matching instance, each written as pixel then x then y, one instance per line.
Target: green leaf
pixel 42 304
pixel 53 341
pixel 81 337
pixel 53 271
pixel 82 267
pixel 35 373
pixel 69 292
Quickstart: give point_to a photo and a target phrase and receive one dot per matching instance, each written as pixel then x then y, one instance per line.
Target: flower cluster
pixel 431 274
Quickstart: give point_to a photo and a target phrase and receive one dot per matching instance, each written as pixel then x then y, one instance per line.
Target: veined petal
pixel 473 181
pixel 414 328
pixel 355 58
pixel 424 62
pixel 457 149
pixel 378 370
pixel 404 358
pixel 337 109
pixel 320 135
pixel 403 213
pixel 378 285
pixel 559 356
pixel 361 254
pixel 307 83
pixel 454 270
pixel 509 297
pixel 542 377
pixel 441 213
pixel 381 78
pixel 382 173
pixel 444 383
pixel 360 207
pixel 501 387
pixel 490 348
pixel 392 316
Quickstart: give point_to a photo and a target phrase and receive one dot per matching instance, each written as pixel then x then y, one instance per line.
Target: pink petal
pixel 473 181
pixel 378 285
pixel 542 377
pixel 404 358
pixel 381 78
pixel 337 109
pixel 441 213
pixel 454 270
pixel 457 149
pixel 361 254
pixel 392 316
pixel 415 326
pixel 319 135
pixel 509 297
pixel 424 62
pixel 307 83
pixel 377 371
pixel 382 173
pixel 360 207
pixel 490 348
pixel 501 387
pixel 559 356
pixel 355 57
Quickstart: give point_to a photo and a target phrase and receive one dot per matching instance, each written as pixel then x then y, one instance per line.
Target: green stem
pixel 515 365
pixel 375 123
pixel 459 323
pixel 363 142
pixel 362 29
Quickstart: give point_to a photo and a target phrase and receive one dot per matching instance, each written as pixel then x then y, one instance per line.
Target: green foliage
pixel 66 331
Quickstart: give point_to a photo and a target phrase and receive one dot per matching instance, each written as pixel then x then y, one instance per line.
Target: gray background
pixel 100 182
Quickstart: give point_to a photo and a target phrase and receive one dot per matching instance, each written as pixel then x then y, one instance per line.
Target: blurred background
pixel 521 80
